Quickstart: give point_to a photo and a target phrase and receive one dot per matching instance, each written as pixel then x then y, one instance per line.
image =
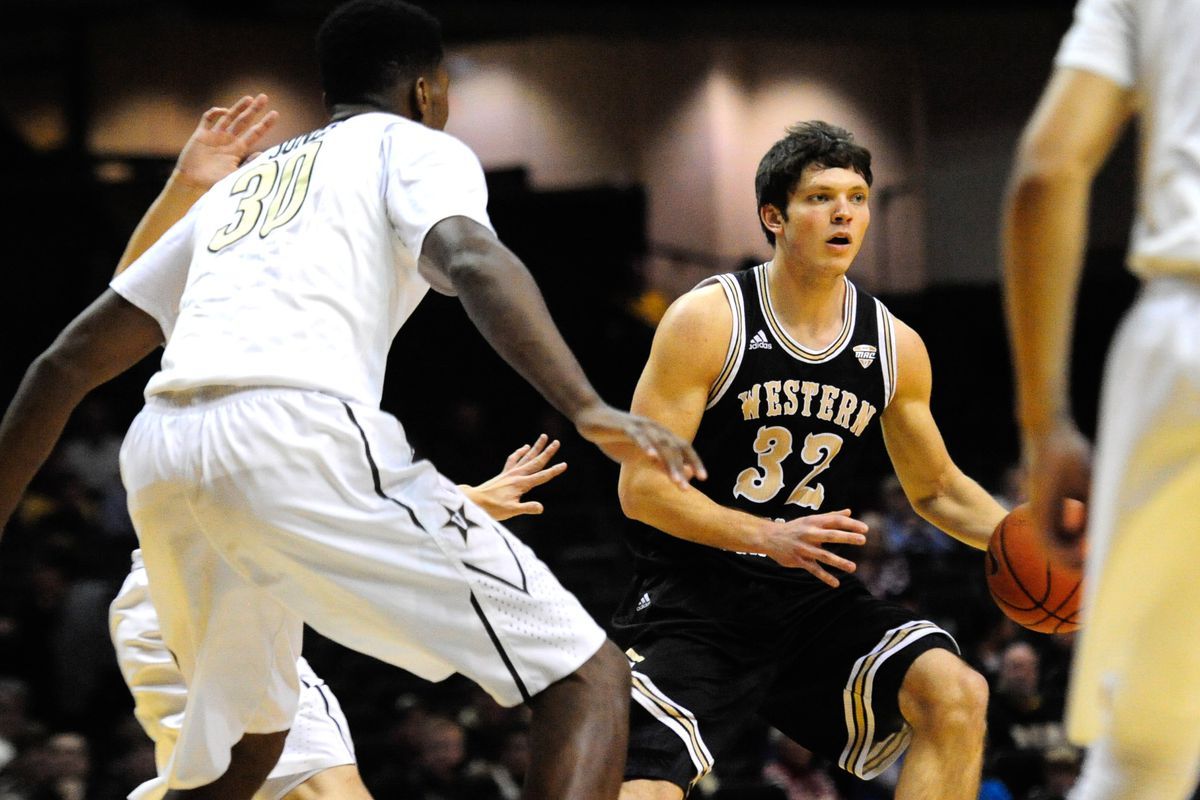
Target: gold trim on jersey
pixel 677 719
pixel 887 350
pixel 863 756
pixel 737 338
pixel 797 350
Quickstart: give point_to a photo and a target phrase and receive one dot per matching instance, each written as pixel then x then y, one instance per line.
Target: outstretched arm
pixel 938 490
pixel 505 304
pixel 112 335
pixel 223 139
pixel 525 468
pixel 109 337
pixel 1076 124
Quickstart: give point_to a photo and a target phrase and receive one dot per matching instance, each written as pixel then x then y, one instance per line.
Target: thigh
pixel 693 694
pixel 838 694
pixel 1142 526
pixel 234 645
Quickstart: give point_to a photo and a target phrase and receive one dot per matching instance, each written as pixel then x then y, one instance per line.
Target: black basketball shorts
pixel 830 683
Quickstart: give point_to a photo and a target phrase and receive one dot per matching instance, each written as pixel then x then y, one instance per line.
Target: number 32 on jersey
pixel 271 195
pixel 773 444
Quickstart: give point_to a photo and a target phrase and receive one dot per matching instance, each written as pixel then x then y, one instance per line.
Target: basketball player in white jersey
pixel 317 762
pixel 1135 683
pixel 268 489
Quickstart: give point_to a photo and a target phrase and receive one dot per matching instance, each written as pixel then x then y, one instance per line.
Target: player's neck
pixel 811 306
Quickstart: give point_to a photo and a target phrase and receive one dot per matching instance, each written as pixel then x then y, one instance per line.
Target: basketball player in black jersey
pixel 744 600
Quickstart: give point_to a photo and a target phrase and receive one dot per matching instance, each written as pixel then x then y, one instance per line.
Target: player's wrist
pixel 182 182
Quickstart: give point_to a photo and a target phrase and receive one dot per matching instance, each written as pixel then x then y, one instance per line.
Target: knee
pixel 941 694
pixel 608 670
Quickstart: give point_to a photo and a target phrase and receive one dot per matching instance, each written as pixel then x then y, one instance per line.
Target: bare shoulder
pixel 913 371
pixel 693 336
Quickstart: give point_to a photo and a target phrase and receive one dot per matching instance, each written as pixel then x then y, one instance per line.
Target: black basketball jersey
pixel 784 427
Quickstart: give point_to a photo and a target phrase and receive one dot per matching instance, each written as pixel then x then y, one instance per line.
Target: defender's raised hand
pixel 524 469
pixel 223 139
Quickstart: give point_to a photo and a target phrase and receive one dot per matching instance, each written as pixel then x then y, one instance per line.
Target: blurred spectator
pixel 54 767
pixel 437 772
pixel 800 774
pixel 904 531
pixel 885 573
pixel 1062 765
pixel 1024 722
pixel 502 778
pixel 14 717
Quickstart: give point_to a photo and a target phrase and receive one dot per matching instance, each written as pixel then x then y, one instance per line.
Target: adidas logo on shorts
pixel 760 342
pixel 644 602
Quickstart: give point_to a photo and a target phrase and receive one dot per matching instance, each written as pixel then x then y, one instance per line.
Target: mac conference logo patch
pixel 866 354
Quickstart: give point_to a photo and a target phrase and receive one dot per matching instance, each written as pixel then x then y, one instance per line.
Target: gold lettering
pixel 849 403
pixel 773 407
pixel 750 402
pixel 828 395
pixel 790 404
pixel 865 412
pixel 809 389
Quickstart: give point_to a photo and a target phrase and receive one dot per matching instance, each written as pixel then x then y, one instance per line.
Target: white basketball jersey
pixel 299 268
pixel 1153 48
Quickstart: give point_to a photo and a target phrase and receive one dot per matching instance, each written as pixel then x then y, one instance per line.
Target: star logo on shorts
pixel 501 565
pixel 460 521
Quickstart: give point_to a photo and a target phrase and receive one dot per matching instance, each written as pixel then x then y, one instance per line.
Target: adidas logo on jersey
pixel 760 342
pixel 865 354
pixel 644 602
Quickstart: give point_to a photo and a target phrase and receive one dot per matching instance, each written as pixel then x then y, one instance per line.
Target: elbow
pixel 1042 171
pixel 630 495
pixel 60 368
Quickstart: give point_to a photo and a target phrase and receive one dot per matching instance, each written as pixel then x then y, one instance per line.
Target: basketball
pixel 1025 582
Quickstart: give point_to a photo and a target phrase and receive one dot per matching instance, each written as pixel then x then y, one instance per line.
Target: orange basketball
pixel 1027 584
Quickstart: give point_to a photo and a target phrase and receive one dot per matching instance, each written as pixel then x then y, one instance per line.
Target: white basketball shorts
pixel 1138 653
pixel 261 509
pixel 319 737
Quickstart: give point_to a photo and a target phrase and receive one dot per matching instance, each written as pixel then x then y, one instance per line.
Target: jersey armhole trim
pixel 737 337
pixel 887 350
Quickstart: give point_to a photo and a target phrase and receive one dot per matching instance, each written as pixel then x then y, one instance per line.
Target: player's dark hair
pixel 806 144
pixel 366 46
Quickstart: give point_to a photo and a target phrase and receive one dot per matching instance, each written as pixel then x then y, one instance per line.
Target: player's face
pixel 827 218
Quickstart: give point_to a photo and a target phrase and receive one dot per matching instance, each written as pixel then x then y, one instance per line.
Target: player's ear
pixel 772 218
pixel 421 99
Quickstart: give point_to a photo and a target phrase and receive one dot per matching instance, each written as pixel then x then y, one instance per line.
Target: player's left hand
pixel 223 140
pixel 1059 465
pixel 524 469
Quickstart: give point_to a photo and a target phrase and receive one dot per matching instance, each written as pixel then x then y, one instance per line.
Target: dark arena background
pixel 619 140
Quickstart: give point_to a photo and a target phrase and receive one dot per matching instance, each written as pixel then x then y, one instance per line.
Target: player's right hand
pixel 801 542
pixel 1058 464
pixel 622 436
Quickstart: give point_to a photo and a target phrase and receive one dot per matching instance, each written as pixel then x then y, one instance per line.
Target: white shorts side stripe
pixel 676 718
pixel 862 756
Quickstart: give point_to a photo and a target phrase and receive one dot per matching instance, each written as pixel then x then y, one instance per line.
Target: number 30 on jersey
pixel 271 196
